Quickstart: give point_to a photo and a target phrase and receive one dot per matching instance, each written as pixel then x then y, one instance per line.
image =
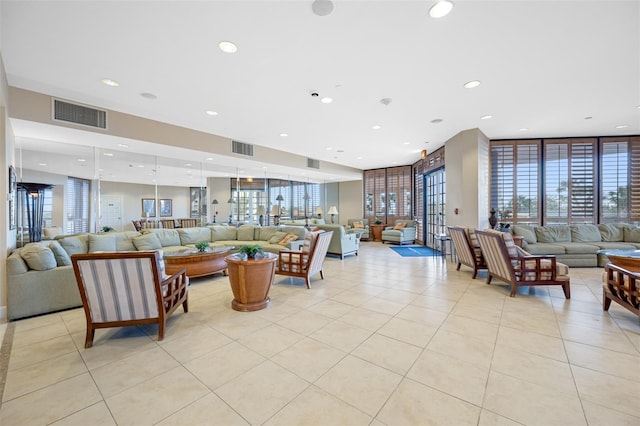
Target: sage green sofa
pixel 40 277
pixel 578 245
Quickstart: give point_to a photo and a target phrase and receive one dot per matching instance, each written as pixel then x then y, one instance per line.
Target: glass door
pixel 435 203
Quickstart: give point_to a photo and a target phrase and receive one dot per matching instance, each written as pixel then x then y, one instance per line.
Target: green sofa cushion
pixel 167 237
pixel 553 234
pixel 124 240
pixel 78 244
pixel 266 232
pixel 585 234
pixel 245 233
pixel 526 232
pixel 147 242
pixel 632 234
pixel 62 257
pixel 223 233
pixel 612 232
pixel 194 235
pixel 102 243
pixel 38 257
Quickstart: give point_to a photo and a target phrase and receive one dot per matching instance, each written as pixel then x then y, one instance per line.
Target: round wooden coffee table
pixel 196 263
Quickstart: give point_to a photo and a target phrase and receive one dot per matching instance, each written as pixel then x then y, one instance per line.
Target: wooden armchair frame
pixel 188 223
pixel 466 252
pixel 621 286
pixel 519 271
pixel 127 288
pixel 168 223
pixel 304 264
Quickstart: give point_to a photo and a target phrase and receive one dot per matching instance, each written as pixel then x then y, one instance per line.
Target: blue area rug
pixel 415 251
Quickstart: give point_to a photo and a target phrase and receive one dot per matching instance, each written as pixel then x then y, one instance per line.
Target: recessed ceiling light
pixel 122 145
pixel 376 127
pixel 209 158
pixel 486 117
pixel 209 112
pixel 107 154
pixel 188 164
pixel 436 120
pixel 141 166
pixel 82 160
pixel 406 143
pixel 524 129
pixel 149 96
pixel 394 162
pixel 358 158
pixel 622 126
pixel 110 82
pixel 326 100
pixel 440 9
pixel 227 47
pixel 284 135
pixel 322 7
pixel 43 164
pixel 328 148
pixel 471 84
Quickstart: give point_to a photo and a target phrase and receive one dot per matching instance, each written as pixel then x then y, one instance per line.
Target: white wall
pixel 351 200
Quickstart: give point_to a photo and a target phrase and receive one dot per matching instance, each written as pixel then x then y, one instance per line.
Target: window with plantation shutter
pixel 398 193
pixel 77 205
pixel 418 199
pixel 570 166
pixel 620 179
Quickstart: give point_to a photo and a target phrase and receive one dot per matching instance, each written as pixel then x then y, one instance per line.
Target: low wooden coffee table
pixel 196 263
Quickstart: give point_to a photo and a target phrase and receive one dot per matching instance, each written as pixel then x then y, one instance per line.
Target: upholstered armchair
pixel 342 242
pixel 403 232
pixel 127 288
pixel 467 248
pixel 307 262
pixel 361 226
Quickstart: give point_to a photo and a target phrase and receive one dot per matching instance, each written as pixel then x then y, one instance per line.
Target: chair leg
pixel 489 278
pixel 475 273
pixel 567 291
pixel 88 340
pixel 161 325
pixel 185 305
pixel 606 302
pixel 458 267
pixel 306 280
pixel 514 289
pixel 321 274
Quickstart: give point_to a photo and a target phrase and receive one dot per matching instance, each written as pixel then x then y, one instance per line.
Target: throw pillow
pixel 62 257
pixel 277 237
pixel 358 225
pixel 400 226
pixel 288 238
pixel 51 232
pixel 147 242
pixel 526 232
pixel 102 243
pixel 611 232
pixel 632 234
pixel 38 258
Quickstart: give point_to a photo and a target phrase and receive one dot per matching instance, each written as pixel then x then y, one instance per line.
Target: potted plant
pixel 377 221
pixel 107 229
pixel 202 246
pixel 251 273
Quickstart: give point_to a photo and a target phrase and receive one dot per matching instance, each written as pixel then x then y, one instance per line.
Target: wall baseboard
pixel 3 313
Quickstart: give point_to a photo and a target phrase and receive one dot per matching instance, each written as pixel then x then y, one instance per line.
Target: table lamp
pixel 333 211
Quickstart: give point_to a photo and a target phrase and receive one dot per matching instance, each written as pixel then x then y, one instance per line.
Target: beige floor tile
pixel 388 353
pixel 237 327
pixel 413 403
pixel 114 344
pixel 364 318
pixel 461 347
pixel 37 376
pixel 94 415
pixel 383 306
pixel 309 358
pixel 195 344
pixel 122 374
pixel 317 407
pixel 270 340
pixel 597 415
pixel 613 341
pixel 218 367
pixel 459 378
pixel 434 303
pixel 481 313
pixel 488 418
pixel 351 297
pixel 207 410
pixel 39 334
pixel 397 296
pixel 258 399
pixel 533 368
pixel 470 327
pixel 305 322
pixel 37 322
pixel 531 404
pixel 157 398
pixel 360 383
pixel 538 344
pixel 331 308
pixel 408 331
pixel 602 321
pixel 341 335
pixel 607 390
pixel 41 351
pixel 523 320
pixel 591 357
pixel 422 315
pixel 52 403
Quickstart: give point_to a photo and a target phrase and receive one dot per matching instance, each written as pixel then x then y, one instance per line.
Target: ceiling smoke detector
pixel 322 7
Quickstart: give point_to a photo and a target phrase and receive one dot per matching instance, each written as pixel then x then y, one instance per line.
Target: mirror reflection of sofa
pixel 359 225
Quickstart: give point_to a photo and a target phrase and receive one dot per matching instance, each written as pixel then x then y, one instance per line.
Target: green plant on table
pixel 107 229
pixel 377 221
pixel 202 247
pixel 251 251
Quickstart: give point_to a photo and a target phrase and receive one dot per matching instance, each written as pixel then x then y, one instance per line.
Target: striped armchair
pixel 127 288
pixel 309 261
pixel 519 268
pixel 467 249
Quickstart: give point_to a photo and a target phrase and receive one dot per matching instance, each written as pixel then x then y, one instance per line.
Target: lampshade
pixel 274 211
pixel 230 200
pixel 261 210
pixel 333 210
pixel 214 201
pixel 318 210
pixel 279 197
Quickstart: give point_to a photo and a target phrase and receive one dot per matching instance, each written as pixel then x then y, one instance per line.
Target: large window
pixel 77 205
pixel 387 194
pixel 620 182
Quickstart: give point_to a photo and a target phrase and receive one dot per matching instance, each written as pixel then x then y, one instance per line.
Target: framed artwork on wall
pixel 148 207
pixel 197 201
pixel 166 207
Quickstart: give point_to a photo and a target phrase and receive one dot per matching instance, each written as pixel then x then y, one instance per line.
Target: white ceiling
pixel 544 66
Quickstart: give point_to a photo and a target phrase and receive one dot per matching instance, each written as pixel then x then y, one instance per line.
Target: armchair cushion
pixel 400 226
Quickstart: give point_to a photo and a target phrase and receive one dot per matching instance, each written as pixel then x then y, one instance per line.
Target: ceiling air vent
pixel 79 114
pixel 242 148
pixel 313 164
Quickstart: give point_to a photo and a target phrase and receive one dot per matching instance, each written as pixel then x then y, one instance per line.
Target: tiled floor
pixel 382 340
